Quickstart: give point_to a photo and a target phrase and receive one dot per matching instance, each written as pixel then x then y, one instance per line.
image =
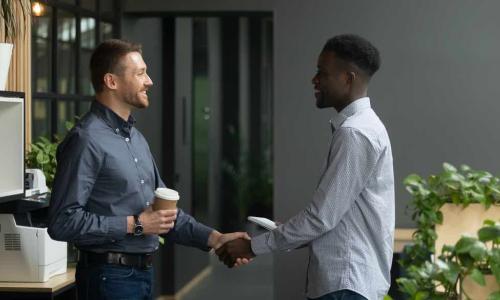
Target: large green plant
pixel 459 186
pixel 469 257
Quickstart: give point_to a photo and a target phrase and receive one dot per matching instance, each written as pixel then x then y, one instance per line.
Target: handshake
pixel 233 249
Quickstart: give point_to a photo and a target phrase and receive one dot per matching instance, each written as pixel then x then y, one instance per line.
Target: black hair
pixel 355 49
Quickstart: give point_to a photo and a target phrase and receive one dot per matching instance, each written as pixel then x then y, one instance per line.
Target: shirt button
pixel 127 140
pixel 147 203
pixel 135 159
pixel 142 181
pixel 117 130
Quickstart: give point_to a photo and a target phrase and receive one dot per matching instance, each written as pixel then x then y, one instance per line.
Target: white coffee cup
pixel 165 198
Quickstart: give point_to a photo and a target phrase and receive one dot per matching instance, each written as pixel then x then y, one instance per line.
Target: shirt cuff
pixel 201 233
pixel 117 227
pixel 260 244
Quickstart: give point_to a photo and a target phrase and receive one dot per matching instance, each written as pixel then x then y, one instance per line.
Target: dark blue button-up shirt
pixel 106 172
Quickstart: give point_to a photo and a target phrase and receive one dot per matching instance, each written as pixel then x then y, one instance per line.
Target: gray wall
pixel 436 91
pixel 149 120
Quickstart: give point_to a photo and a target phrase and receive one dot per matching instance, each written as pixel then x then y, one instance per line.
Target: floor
pixel 253 281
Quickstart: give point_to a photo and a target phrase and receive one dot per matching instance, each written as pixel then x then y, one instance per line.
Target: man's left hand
pixel 232 252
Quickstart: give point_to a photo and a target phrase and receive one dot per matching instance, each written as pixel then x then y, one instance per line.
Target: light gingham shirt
pixel 349 224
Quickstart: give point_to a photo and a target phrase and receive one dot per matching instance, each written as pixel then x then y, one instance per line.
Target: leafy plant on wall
pixel 468 257
pixel 42 155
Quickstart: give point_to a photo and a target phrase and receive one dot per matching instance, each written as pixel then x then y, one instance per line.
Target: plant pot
pixel 458 221
pixel 5 56
pixel 475 291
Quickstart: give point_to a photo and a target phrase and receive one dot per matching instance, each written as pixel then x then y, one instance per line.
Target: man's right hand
pixel 155 222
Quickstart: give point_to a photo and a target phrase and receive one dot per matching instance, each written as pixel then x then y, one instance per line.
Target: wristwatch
pixel 138 228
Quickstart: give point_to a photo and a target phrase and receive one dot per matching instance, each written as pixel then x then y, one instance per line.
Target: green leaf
pixel 466 260
pixel 465 244
pixel 387 297
pixel 40 158
pixel 489 233
pixel 479 251
pixel 494 296
pixel 489 222
pixel 495 269
pixel 412 179
pixel 451 275
pixel 465 168
pixel 408 286
pixel 161 240
pixel 422 295
pixel 449 167
pixel 68 125
pixel 478 277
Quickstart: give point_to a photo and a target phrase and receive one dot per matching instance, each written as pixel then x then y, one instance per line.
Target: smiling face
pixel 331 82
pixel 133 81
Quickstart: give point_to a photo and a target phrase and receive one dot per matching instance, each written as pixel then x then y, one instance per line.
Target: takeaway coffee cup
pixel 165 199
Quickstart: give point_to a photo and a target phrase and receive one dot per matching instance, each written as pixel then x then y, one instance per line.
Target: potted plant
pixel 469 269
pixel 461 189
pixel 12 26
pixel 42 154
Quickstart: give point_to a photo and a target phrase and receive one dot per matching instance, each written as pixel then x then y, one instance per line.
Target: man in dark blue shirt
pixel 105 182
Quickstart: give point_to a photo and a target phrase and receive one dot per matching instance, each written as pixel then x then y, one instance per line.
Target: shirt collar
pixel 111 118
pixel 351 109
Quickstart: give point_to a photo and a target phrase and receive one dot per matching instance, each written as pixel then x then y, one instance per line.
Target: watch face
pixel 138 229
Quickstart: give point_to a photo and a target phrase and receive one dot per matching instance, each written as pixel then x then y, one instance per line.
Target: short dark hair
pixel 355 49
pixel 106 59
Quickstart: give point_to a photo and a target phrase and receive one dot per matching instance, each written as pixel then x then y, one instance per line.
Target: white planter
pixel 5 56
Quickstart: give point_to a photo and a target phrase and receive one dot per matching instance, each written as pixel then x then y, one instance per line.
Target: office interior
pixel 232 121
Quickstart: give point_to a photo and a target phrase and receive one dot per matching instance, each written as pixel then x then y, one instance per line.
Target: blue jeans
pixel 113 282
pixel 341 295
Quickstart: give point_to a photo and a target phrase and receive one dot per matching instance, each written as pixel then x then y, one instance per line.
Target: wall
pixel 436 91
pixel 149 120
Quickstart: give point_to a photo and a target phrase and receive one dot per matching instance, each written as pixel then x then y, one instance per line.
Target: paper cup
pixel 165 199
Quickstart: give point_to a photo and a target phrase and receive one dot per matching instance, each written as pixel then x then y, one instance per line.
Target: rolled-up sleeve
pixel 353 159
pixel 78 163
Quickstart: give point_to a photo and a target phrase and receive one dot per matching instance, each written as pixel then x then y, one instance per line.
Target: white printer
pixel 27 253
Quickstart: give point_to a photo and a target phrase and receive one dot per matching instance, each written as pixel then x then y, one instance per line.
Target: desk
pixel 58 287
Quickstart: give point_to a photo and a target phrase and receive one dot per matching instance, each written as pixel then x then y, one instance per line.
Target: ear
pixel 351 76
pixel 110 81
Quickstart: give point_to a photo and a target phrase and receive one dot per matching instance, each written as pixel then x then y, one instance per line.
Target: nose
pixel 149 82
pixel 314 80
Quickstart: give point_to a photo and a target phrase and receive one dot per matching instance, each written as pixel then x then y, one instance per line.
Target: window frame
pixel 53 96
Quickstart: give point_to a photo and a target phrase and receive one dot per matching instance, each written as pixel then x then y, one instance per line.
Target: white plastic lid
pixel 167 194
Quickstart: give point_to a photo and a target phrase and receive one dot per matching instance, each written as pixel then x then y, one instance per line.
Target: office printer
pixel 27 253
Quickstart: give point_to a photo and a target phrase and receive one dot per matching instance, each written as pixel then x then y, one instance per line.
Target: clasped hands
pixel 233 249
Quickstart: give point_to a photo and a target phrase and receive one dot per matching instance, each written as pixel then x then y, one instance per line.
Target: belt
pixel 140 261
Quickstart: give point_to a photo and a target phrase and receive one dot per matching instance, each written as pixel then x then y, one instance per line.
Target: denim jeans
pixel 113 282
pixel 341 295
